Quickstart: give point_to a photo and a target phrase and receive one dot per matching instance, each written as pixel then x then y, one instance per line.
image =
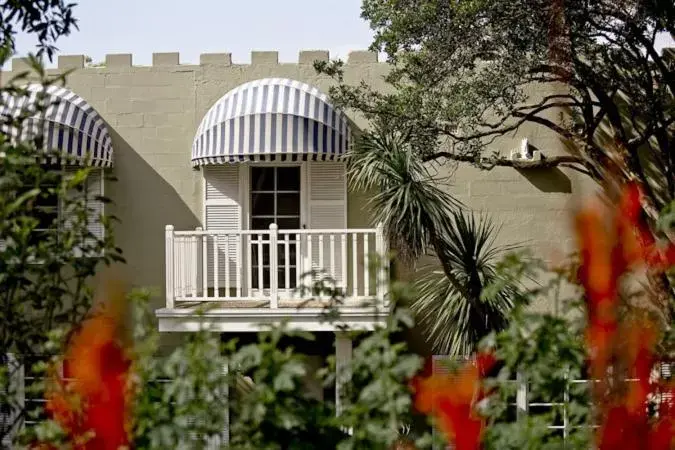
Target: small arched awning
pixel 69 125
pixel 271 119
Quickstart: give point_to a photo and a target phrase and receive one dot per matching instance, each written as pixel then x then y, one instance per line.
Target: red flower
pixel 452 399
pixel 90 402
pixel 627 346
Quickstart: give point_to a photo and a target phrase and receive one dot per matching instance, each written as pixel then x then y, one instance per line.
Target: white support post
pixel 381 277
pixel 170 269
pixel 522 404
pixel 343 360
pixel 274 264
pixel 195 261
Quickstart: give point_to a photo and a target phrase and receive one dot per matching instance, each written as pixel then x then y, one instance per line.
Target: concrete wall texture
pixel 153 113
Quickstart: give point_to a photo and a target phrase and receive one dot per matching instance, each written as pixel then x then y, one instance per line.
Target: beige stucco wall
pixel 153 113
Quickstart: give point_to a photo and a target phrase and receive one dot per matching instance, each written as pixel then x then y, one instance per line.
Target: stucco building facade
pixel 153 115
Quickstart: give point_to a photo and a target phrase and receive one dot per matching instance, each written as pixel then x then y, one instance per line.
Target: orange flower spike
pixel 596 272
pixel 599 276
pixel 451 398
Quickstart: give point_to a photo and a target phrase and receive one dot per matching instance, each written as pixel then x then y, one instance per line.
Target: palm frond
pixel 407 199
pixel 453 312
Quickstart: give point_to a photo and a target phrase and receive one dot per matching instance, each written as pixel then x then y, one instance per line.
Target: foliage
pixel 44 275
pixel 457 319
pixel 178 397
pixel 466 73
pixel 177 400
pixel 605 338
pixel 46 20
pixel 420 217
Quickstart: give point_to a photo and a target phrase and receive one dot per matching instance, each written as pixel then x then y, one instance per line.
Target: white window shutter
pixel 93 189
pixel 95 206
pixel 327 210
pixel 222 211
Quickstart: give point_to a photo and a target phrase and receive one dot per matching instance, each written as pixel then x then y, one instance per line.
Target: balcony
pixel 246 278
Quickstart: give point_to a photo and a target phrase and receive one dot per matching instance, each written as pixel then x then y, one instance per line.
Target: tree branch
pixel 544 163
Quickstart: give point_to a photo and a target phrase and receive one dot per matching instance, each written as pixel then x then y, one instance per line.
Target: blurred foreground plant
pixel 620 347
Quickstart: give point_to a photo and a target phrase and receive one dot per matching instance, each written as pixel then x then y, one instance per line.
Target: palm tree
pixel 455 320
pixel 420 218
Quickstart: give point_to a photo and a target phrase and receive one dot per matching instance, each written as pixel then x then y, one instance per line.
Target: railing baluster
pixel 216 275
pixel 311 256
pixel 299 265
pixel 205 266
pixel 181 268
pixel 274 265
pixel 261 284
pixel 195 264
pixel 170 265
pixel 287 263
pixel 320 265
pixel 355 265
pixel 344 272
pixel 366 268
pixel 238 263
pixel 248 243
pixel 333 275
pixel 227 265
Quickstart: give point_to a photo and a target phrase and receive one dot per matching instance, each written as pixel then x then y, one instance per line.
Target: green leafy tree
pixel 180 397
pixel 465 73
pixel 47 261
pixel 43 275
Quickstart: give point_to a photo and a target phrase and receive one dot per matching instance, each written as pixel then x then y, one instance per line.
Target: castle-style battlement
pixel 172 59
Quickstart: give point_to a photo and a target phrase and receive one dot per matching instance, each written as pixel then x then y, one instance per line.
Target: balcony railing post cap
pixel 169 228
pixel 274 226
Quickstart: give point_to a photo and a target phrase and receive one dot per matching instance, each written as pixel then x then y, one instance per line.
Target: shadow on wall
pixel 548 180
pixel 144 203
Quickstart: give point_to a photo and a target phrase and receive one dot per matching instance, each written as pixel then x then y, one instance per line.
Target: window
pixel 46 210
pixel 275 198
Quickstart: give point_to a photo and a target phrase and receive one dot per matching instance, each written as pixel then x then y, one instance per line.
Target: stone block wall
pixel 153 113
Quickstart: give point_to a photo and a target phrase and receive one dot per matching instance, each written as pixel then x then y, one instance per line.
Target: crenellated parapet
pixel 172 59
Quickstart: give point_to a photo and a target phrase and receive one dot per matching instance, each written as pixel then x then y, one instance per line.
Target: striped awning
pixel 271 119
pixel 67 123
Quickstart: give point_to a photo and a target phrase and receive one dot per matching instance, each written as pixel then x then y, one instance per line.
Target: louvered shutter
pixel 93 190
pixel 327 210
pixel 223 212
pixel 95 206
pixel 12 398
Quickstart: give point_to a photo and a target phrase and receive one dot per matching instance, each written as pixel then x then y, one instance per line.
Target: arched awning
pixel 271 119
pixel 69 124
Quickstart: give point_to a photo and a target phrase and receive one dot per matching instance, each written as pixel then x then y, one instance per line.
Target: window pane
pixel 261 224
pixel 262 178
pixel 289 224
pixel 255 261
pixel 288 204
pixel 46 198
pixel 266 279
pixel 282 255
pixel 46 217
pixel 291 280
pixel 288 178
pixel 262 204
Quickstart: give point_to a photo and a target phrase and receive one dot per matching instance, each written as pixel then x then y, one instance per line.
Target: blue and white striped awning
pixel 68 124
pixel 271 119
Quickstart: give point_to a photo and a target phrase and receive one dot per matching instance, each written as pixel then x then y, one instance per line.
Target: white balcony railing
pixel 270 265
